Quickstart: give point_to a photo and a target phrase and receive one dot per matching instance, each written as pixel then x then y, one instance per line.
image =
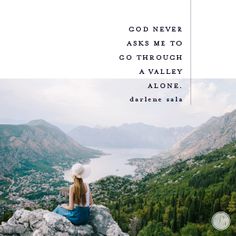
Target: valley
pixel 173 193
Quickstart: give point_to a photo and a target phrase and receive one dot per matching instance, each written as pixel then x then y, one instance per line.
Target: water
pixel 116 163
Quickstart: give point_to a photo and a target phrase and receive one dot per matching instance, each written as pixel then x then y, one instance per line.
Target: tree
pixel 216 206
pixel 190 229
pixel 181 217
pixel 153 229
pixel 192 211
pixel 232 203
pixel 224 202
pixel 168 215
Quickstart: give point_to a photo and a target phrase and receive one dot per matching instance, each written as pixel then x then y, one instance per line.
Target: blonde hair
pixel 79 191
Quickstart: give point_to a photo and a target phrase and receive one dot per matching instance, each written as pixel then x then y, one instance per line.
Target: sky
pixel 83 39
pixel 69 103
pixel 69 40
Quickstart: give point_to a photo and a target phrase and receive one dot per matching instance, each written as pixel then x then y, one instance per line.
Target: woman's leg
pixel 56 210
pixel 61 211
pixel 83 216
pixel 71 215
pixel 78 216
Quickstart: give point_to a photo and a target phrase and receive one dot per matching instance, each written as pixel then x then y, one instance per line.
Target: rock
pixel 42 222
pixel 103 223
pixel 85 230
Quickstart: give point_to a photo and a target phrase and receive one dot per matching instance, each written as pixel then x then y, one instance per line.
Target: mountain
pixel 177 200
pixel 129 136
pixel 213 134
pixel 37 144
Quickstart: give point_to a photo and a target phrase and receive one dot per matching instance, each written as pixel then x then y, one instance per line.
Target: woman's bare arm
pixel 90 199
pixel 71 200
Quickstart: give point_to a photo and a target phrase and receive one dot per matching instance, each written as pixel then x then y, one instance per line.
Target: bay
pixel 114 162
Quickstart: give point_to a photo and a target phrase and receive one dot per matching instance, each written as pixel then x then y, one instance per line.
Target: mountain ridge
pixel 134 135
pixel 211 135
pixel 38 141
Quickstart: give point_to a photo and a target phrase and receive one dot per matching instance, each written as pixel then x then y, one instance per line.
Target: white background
pixel 83 39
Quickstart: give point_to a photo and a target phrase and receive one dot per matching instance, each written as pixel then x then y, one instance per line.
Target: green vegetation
pixel 44 165
pixel 178 200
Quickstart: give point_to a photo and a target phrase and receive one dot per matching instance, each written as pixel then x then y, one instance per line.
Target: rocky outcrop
pixel 42 222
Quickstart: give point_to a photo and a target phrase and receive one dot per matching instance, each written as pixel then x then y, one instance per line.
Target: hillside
pixel 179 200
pixel 130 136
pixel 213 134
pixel 32 159
pixel 37 144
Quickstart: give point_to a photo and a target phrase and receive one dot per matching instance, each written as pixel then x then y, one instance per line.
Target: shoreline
pixel 123 162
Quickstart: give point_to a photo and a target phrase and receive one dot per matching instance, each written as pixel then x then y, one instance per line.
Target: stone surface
pixel 42 222
pixel 103 223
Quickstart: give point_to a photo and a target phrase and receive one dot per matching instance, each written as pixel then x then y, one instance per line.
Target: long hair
pixel 79 191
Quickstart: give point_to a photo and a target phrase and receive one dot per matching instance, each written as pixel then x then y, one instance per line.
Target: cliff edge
pixel 42 222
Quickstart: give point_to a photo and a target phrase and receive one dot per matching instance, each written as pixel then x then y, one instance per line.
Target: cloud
pixel 208 98
pixel 106 102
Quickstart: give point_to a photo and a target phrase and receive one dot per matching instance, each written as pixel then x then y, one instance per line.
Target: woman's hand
pixel 64 205
pixel 67 207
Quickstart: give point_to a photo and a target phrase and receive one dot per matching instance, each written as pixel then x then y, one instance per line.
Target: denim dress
pixel 79 215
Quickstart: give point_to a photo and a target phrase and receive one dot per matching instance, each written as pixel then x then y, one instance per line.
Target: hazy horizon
pixel 105 103
pixel 67 127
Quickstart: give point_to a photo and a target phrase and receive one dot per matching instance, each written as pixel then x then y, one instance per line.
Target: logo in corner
pixel 220 220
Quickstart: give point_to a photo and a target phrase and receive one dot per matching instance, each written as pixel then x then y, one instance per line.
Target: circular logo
pixel 220 220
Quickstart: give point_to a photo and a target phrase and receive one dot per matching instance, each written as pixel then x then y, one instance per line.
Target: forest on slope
pixel 178 200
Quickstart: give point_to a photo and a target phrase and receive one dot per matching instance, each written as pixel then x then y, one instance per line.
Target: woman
pixel 80 197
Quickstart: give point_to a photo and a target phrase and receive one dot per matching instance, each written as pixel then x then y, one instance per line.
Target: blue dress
pixel 80 214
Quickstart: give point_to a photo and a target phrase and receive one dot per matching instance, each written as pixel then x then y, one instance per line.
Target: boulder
pixel 42 222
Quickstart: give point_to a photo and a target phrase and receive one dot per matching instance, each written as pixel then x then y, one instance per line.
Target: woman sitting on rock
pixel 80 197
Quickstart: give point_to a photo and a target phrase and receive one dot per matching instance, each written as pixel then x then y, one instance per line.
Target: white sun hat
pixel 80 171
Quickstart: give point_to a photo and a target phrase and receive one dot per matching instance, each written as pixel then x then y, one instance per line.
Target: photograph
pixel 83 150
